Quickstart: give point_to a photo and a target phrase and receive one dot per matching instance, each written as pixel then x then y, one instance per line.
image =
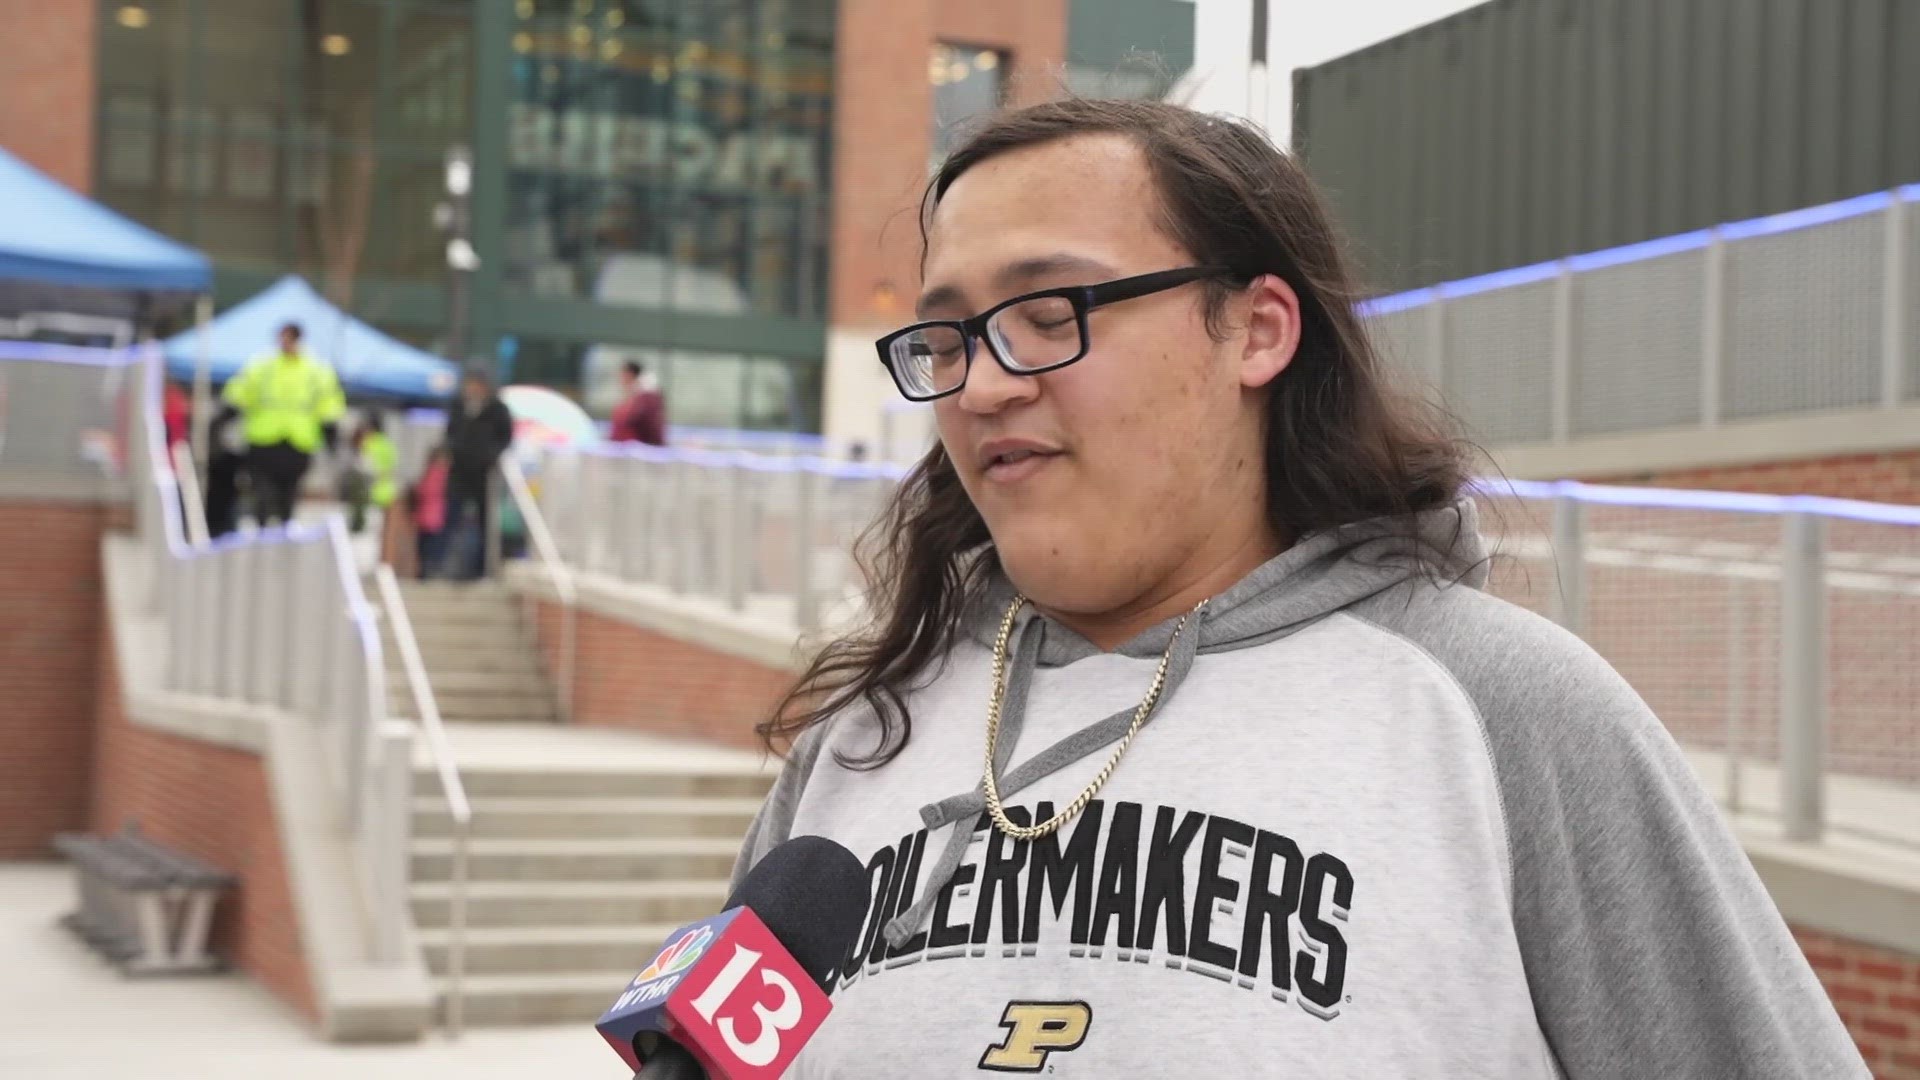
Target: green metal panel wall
pixel 1128 48
pixel 1113 33
pixel 1526 130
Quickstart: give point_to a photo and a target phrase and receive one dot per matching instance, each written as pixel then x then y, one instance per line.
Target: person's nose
pixel 990 388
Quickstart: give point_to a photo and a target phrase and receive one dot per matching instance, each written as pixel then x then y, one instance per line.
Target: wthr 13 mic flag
pixel 726 990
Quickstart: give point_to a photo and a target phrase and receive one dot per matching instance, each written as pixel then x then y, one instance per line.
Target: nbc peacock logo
pixel 678 956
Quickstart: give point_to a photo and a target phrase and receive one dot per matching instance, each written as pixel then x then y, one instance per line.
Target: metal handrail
pixel 193 506
pixel 451 786
pixel 558 573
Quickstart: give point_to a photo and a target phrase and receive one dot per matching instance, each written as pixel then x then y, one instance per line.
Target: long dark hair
pixel 1341 445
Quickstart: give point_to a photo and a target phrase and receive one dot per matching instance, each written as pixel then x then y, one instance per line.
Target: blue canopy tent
pixel 53 235
pixel 367 361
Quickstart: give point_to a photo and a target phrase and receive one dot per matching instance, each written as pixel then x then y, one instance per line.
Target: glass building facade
pixel 652 184
pixel 280 136
pixel 652 178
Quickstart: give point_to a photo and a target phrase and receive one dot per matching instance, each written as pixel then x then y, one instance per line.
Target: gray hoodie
pixel 1378 827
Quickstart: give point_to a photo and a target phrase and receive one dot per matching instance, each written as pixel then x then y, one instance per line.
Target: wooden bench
pixel 144 907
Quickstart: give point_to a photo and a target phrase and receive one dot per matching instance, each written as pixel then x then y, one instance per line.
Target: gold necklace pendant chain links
pixel 1000 657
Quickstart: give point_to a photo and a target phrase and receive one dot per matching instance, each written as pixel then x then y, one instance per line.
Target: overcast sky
pixel 1300 33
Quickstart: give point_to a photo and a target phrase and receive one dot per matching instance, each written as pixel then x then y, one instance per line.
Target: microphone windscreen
pixel 812 894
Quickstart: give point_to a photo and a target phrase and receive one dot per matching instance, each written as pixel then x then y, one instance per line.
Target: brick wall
pixel 1893 476
pixel 211 802
pixel 47 70
pixel 50 590
pixel 630 677
pixel 1877 993
pixel 882 123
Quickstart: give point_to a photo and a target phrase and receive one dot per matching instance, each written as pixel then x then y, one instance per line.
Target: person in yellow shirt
pixel 371 480
pixel 288 403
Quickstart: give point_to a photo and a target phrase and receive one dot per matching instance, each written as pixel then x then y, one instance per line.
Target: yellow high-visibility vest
pixel 286 399
pixel 383 461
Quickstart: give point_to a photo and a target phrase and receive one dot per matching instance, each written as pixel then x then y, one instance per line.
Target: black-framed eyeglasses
pixel 1027 335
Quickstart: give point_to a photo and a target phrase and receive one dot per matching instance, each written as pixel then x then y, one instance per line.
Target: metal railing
pixel 1798 313
pixel 767 537
pixel 452 789
pixel 1777 638
pixel 66 410
pixel 559 576
pixel 278 619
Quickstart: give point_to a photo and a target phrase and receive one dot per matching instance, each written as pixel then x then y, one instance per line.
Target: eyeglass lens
pixel 1028 336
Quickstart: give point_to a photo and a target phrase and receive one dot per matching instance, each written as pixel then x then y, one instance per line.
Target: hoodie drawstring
pixel 961 810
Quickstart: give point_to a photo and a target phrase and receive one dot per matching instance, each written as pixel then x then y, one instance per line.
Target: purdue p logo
pixel 1034 1030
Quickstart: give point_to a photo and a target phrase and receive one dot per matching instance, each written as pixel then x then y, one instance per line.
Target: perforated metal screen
pixel 1803 319
pixel 1802 301
pixel 1912 317
pixel 1499 355
pixel 1637 332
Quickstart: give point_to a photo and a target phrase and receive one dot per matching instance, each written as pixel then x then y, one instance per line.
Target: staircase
pixel 481 657
pixel 588 849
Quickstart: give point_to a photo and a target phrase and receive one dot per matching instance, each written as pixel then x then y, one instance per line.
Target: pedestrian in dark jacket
pixel 479 430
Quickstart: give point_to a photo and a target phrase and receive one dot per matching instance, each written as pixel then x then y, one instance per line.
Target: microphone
pixel 736 995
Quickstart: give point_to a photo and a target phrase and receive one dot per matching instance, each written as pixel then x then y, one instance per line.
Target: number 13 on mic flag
pixel 726 990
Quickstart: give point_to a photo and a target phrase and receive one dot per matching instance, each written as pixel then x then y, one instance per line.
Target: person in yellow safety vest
pixel 288 403
pixel 372 480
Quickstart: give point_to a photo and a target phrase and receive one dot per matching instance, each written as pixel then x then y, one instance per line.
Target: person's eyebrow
pixel 940 296
pixel 1013 276
pixel 1027 271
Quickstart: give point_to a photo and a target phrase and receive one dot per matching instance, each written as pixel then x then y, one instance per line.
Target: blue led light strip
pixel 1738 502
pixel 1771 225
pixel 78 355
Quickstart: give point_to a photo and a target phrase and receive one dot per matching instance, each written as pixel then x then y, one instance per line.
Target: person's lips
pixel 1006 461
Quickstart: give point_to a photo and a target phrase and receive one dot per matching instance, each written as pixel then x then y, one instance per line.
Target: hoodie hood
pixel 1320 574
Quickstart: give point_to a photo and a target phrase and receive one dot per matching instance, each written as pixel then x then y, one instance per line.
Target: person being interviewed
pixel 1183 740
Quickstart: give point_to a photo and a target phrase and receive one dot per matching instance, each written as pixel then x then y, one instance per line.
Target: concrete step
pixel 600 783
pixel 441 657
pixel 533 703
pixel 585 818
pixel 578 860
pixel 522 673
pixel 506 686
pixel 549 950
pixel 425 613
pixel 499 1000
pixel 436 635
pixel 454 592
pixel 570 903
pixel 534 716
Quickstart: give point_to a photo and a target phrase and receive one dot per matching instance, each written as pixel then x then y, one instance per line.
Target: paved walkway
pixel 65 1013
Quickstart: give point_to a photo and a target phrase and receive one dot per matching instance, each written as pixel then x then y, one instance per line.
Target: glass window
pixel 276 136
pixel 671 153
pixel 129 143
pixel 250 154
pixel 968 82
pixel 708 390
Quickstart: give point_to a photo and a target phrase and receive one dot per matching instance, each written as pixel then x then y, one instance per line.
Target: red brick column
pixel 51 594
pixel 48 70
pixel 211 802
pixel 630 677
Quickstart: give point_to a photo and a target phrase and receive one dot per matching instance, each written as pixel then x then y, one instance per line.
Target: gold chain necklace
pixel 1000 650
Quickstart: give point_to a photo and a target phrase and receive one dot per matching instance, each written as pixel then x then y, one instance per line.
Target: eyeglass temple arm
pixel 1133 288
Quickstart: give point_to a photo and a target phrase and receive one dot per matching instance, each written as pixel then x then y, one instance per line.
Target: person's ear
pixel 1273 330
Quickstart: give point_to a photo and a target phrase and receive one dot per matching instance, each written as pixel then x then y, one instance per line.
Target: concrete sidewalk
pixel 66 1013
